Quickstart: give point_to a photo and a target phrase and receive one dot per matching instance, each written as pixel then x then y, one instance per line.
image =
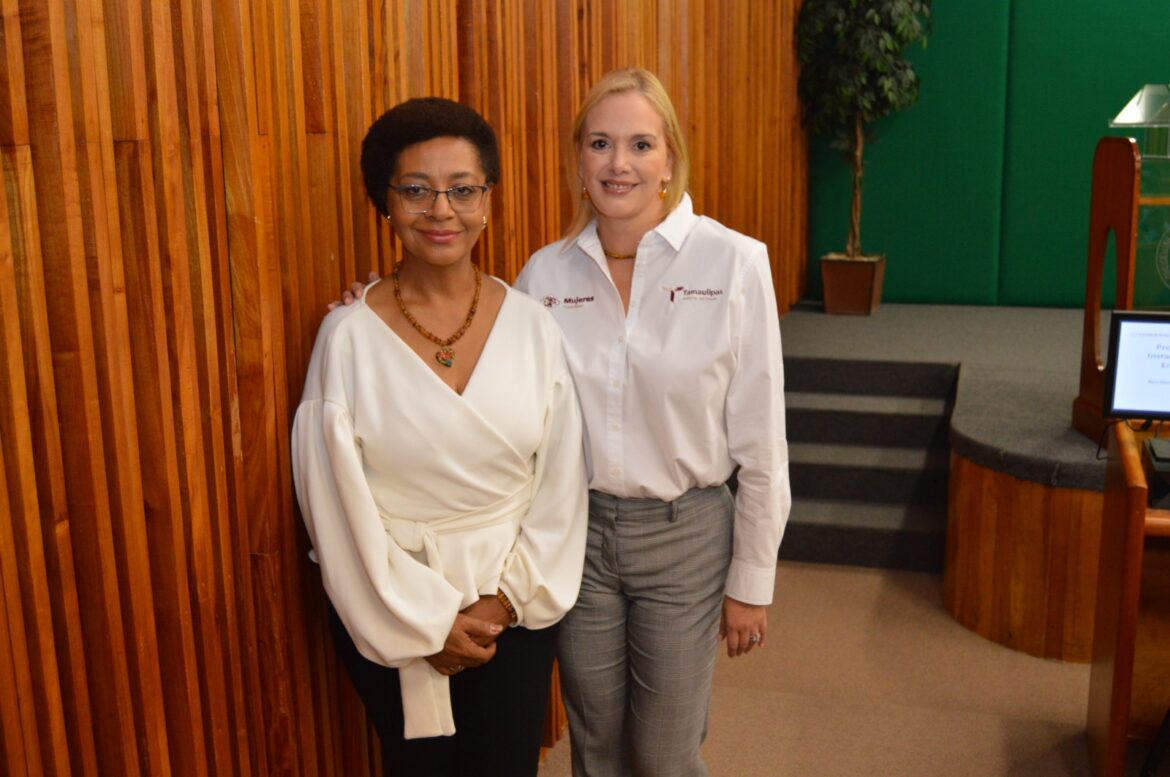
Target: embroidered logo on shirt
pixel 682 293
pixel 569 302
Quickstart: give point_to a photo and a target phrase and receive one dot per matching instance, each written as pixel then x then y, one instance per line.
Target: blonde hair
pixel 645 83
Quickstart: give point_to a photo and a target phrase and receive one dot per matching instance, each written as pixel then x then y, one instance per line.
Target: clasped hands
pixel 472 641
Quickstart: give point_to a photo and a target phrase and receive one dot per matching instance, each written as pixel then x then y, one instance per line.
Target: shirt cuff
pixel 750 584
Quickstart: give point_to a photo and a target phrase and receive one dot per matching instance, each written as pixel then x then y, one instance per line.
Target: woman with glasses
pixel 673 340
pixel 437 456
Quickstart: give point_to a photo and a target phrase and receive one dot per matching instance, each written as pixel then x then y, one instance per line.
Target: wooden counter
pixel 1129 688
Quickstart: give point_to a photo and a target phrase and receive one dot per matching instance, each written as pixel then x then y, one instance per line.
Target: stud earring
pixel 585 194
pixel 485 222
pixel 388 219
pixel 662 191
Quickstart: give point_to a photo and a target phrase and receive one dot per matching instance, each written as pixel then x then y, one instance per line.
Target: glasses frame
pixel 484 188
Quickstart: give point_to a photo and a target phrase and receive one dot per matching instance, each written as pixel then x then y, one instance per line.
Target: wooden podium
pixel 1113 208
pixel 1129 686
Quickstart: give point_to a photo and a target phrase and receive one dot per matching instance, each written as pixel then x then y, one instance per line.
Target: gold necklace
pixel 612 255
pixel 446 354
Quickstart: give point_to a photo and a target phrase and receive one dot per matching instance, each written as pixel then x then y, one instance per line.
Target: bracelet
pixel 506 603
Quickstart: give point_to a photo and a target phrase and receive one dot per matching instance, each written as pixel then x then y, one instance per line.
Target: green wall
pixel 979 193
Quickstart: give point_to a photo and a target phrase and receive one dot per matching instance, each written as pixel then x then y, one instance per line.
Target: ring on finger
pixel 753 638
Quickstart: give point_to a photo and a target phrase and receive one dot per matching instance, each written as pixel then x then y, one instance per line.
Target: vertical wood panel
pixel 19 737
pixel 181 198
pixel 1021 564
pixel 13 117
pixel 28 427
pixel 236 624
pixel 45 38
pixel 104 258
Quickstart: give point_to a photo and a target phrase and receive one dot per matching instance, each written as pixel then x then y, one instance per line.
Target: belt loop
pixel 674 511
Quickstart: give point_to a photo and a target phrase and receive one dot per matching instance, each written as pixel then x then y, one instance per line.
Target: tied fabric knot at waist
pixel 426 694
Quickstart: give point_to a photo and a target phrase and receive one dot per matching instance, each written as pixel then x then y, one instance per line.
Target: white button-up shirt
pixel 689 383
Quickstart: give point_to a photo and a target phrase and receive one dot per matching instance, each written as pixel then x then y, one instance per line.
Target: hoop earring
pixel 485 222
pixel 662 191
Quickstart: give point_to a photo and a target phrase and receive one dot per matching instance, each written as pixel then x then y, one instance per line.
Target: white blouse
pixel 685 385
pixel 419 500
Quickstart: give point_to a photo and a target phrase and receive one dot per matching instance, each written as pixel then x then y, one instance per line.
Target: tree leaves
pixel 853 61
pixel 854 72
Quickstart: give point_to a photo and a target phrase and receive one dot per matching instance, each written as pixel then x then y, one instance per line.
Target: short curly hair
pixel 417 121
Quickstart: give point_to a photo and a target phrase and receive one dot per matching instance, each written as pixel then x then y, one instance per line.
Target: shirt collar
pixel 673 229
pixel 678 223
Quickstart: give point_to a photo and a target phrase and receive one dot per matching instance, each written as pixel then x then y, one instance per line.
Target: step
pixel 867 515
pixel 852 427
pixel 866 403
pixel 936 460
pixel 869 461
pixel 883 485
pixel 882 378
pixel 908 537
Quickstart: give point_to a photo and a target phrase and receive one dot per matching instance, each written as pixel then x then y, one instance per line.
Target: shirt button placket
pixel 613 432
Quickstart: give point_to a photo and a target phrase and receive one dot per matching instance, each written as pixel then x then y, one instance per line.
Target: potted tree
pixel 853 73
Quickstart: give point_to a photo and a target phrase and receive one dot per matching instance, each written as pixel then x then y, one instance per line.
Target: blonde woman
pixel 673 339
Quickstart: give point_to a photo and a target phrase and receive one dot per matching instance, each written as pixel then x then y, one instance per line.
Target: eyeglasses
pixel 416 198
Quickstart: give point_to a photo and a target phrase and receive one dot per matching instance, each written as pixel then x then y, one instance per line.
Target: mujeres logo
pixel 569 302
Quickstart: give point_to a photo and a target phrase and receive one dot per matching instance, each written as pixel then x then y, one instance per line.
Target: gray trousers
pixel 637 651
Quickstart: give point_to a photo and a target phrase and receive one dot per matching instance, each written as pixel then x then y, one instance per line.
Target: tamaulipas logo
pixel 683 294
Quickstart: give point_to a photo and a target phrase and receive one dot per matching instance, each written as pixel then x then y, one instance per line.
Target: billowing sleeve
pixel 754 415
pixel 542 574
pixel 395 608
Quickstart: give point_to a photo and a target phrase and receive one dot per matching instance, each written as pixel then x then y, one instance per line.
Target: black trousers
pixel 499 709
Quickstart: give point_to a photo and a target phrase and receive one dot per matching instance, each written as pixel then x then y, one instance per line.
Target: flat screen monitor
pixel 1137 366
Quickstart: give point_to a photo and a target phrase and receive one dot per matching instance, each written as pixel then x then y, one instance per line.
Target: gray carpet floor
pixel 865 673
pixel 1032 338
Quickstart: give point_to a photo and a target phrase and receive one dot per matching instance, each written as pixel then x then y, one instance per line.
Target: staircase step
pixel 934 460
pixel 882 378
pixel 883 485
pixel 908 537
pixel 796 401
pixel 869 460
pixel 848 427
pixel 866 515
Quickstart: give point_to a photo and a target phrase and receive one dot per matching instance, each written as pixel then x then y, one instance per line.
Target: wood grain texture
pixel 32 462
pixel 1113 209
pixel 1021 561
pixel 1129 683
pixel 181 198
pixel 19 736
pixel 1151 661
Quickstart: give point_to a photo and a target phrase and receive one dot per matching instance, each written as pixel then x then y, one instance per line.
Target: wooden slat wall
pixel 180 200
